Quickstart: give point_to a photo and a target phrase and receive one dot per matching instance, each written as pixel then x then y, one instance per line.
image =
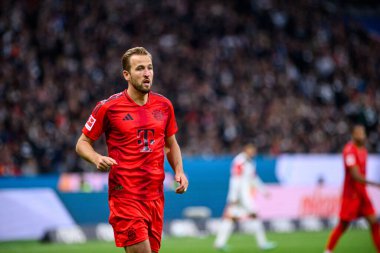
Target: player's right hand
pixel 181 179
pixel 104 163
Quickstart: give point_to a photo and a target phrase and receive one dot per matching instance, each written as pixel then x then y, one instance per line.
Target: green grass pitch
pixel 354 241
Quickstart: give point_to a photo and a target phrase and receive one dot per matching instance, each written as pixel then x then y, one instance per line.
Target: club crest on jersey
pixel 90 123
pixel 158 115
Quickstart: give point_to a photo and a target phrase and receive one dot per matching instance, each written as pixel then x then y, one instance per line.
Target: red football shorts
pixel 134 221
pixel 353 208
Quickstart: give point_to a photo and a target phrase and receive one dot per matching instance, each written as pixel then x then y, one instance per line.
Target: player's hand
pixel 104 163
pixel 181 179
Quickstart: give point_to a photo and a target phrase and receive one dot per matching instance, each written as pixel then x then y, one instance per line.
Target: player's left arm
pixel 354 171
pixel 173 153
pixel 259 185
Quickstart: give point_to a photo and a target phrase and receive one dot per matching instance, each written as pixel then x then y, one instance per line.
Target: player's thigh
pixel 367 210
pixel 129 232
pixel 157 224
pixel 344 224
pixel 141 247
pixel 235 211
pixel 155 242
pixel 249 204
pixel 350 209
pixel 129 221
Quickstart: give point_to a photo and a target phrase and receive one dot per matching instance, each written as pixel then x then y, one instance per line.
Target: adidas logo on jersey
pixel 128 117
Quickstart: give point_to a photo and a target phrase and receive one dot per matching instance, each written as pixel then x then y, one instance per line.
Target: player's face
pixel 359 135
pixel 140 75
pixel 251 151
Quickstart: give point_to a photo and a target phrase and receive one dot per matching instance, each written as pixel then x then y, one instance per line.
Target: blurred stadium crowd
pixel 291 77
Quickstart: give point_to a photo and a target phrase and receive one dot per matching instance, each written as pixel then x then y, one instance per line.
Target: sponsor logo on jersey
pixel 128 117
pixel 90 123
pixel 145 139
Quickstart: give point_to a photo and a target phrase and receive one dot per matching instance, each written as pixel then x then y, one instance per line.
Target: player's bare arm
pixel 354 171
pixel 173 153
pixel 258 184
pixel 85 149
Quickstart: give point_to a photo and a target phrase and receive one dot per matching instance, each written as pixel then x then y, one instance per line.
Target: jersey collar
pixel 133 102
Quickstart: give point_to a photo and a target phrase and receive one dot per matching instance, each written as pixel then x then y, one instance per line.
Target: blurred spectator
pixel 292 77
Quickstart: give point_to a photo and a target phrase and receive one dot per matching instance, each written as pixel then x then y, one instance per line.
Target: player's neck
pixel 358 144
pixel 138 97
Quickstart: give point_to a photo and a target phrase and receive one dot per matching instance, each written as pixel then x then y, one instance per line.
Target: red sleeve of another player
pixel 237 169
pixel 349 157
pixel 94 126
pixel 171 125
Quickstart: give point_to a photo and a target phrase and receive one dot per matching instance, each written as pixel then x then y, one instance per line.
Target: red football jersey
pixel 354 156
pixel 135 137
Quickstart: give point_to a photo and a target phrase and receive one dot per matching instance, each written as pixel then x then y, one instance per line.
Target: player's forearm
pixel 364 181
pixel 373 183
pixel 85 150
pixel 175 157
pixel 367 182
pixel 259 185
pixel 359 178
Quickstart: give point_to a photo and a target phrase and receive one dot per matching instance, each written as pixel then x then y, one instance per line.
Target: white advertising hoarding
pixel 27 214
pixel 309 169
pixel 294 202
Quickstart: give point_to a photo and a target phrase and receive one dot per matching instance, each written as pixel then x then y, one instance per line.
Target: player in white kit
pixel 240 201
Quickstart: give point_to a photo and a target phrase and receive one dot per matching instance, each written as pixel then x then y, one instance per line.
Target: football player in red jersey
pixel 140 128
pixel 355 199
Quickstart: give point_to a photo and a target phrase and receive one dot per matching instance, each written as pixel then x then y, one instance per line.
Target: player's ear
pixel 126 75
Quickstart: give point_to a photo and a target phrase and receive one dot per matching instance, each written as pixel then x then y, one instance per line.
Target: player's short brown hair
pixel 249 145
pixel 356 126
pixel 125 60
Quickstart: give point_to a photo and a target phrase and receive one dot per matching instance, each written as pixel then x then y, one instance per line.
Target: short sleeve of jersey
pixel 95 125
pixel 349 158
pixel 171 126
pixel 237 169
